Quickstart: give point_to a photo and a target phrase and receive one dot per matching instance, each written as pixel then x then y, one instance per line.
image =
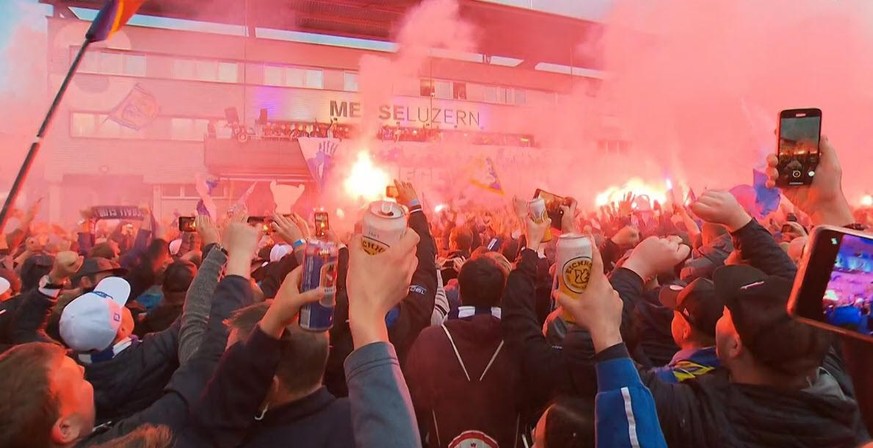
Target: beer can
pixel 537 210
pixel 573 266
pixel 383 226
pixel 319 270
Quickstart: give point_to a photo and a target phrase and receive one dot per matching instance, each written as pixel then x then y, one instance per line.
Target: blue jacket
pixel 624 407
pixel 687 364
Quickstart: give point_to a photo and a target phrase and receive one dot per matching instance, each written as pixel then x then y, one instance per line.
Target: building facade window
pixel 112 63
pixel 92 125
pixel 350 82
pixel 206 70
pixel 281 76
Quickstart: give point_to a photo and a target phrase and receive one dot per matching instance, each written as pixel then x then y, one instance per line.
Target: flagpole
pixel 37 143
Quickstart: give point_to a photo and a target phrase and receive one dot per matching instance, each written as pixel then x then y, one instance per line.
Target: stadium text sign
pixel 404 113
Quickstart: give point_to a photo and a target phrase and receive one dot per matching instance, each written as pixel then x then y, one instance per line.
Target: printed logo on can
pixel 576 273
pixel 372 246
pixel 328 282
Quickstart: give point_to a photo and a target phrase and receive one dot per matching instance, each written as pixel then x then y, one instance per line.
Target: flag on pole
pixel 138 109
pixel 111 18
pixel 484 175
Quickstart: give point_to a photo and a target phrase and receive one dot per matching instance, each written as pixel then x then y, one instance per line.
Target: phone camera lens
pixel 796 174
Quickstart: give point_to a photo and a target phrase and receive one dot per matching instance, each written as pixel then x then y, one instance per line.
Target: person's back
pixel 462 379
pixel 318 420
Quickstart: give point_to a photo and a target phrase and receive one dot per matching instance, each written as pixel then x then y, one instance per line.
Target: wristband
pixel 298 244
pixel 413 203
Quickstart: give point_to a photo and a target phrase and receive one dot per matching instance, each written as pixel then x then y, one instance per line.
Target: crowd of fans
pixel 452 337
pixel 291 131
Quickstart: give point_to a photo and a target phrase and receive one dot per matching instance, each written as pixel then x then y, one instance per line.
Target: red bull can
pixel 572 266
pixel 383 226
pixel 537 210
pixel 319 270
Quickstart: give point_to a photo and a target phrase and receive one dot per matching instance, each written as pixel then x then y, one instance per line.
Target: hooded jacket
pixel 450 397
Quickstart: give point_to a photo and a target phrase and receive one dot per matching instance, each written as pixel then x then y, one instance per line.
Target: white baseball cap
pixel 279 251
pixel 4 284
pixel 91 321
pixel 175 245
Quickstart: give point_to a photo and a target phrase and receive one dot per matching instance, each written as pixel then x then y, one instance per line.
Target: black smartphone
pixel 798 150
pixel 186 224
pixel 261 222
pixel 553 206
pixel 834 285
pixel 322 224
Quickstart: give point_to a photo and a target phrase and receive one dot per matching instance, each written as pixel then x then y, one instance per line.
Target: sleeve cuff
pixel 368 356
pixel 616 351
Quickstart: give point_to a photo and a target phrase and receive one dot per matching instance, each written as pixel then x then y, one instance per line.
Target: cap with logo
pixel 758 307
pixel 91 321
pixel 697 303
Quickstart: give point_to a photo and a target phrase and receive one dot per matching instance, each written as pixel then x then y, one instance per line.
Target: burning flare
pixel 366 180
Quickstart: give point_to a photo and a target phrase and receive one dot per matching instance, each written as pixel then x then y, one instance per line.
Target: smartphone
pixel 798 150
pixel 322 224
pixel 834 285
pixel 391 192
pixel 553 206
pixel 261 222
pixel 186 224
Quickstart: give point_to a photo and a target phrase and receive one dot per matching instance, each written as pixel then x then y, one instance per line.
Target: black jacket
pixel 171 408
pixel 712 411
pixel 24 318
pixel 413 315
pixel 134 378
pixel 229 413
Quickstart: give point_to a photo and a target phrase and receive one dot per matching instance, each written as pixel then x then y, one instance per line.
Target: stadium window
pixel 459 90
pixel 135 65
pixel 273 76
pixel 442 89
pixel 427 87
pixel 184 69
pixel 206 70
pixel 295 77
pixel 314 79
pixel 81 124
pixel 350 82
pixel 228 72
pixel 520 97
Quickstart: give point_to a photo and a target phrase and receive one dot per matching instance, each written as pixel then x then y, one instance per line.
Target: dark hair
pixel 304 353
pixel 104 250
pixel 570 423
pixel 146 436
pixel 157 249
pixel 463 237
pixel 178 276
pixel 28 409
pixel 482 282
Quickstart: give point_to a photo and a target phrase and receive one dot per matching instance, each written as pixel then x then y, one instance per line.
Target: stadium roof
pixel 533 37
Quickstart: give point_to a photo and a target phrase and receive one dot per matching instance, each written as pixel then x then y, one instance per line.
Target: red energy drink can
pixel 319 270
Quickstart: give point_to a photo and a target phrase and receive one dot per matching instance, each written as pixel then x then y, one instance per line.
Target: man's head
pixel 567 423
pixel 93 271
pixel 96 320
pixel 696 310
pixel 481 282
pixel 46 399
pixel 461 239
pixel 304 354
pixel 756 339
pixel 33 269
pixel 159 256
pixel 108 250
pixel 178 278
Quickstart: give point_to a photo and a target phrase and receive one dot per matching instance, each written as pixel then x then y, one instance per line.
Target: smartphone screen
pixel 322 224
pixel 553 206
pixel 836 287
pixel 798 152
pixel 260 222
pixel 186 224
